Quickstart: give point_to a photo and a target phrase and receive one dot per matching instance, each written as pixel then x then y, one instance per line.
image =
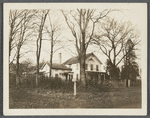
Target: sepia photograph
pixel 75 58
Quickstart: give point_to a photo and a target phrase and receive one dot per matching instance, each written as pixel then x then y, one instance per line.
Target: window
pixel 86 66
pixel 91 59
pixel 91 66
pixel 77 76
pixel 97 69
pixel 77 66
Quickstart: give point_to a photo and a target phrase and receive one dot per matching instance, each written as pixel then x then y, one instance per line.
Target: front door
pixel 102 79
pixel 66 76
pixel 96 78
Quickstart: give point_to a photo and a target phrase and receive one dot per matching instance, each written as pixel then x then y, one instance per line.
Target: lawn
pixel 86 98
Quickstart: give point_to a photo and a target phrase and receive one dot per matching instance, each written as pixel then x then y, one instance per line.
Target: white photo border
pixel 16 112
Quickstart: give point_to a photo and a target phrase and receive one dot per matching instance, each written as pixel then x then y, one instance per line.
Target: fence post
pixel 74 80
pixel 74 87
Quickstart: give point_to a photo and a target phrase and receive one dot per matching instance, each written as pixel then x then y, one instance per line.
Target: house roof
pixel 75 60
pixel 57 66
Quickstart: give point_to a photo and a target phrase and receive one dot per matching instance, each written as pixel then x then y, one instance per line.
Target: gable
pixel 45 68
pixel 75 60
pixel 93 59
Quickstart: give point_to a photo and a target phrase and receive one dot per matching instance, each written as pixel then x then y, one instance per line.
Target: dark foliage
pixel 112 71
pixel 54 83
pixel 44 83
pixel 131 71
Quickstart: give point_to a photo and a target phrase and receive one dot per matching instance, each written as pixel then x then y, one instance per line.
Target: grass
pixel 100 97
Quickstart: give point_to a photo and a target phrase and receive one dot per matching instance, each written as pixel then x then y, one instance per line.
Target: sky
pixel 133 12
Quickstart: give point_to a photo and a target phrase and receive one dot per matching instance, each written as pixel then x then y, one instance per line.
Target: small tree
pixel 131 68
pixel 134 71
pixel 112 71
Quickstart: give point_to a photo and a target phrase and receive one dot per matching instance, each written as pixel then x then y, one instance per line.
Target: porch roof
pixel 95 72
pixel 68 72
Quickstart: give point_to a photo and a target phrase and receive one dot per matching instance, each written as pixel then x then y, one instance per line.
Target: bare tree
pixel 112 38
pixel 24 34
pixel 82 23
pixel 15 19
pixel 42 17
pixel 53 29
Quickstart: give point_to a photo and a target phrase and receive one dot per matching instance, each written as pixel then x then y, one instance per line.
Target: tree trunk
pixel 50 70
pixel 51 57
pixel 82 57
pixel 37 71
pixel 17 66
pixel 38 56
pixel 114 61
pixel 38 52
pixel 82 69
pixel 10 41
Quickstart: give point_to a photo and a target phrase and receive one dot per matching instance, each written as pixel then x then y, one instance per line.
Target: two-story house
pixel 71 69
pixel 93 68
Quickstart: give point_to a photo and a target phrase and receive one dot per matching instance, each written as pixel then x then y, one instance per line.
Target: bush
pixel 56 83
pixel 29 81
pixel 50 83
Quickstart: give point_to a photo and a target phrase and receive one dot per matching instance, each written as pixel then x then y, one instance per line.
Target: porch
pixel 67 76
pixel 94 78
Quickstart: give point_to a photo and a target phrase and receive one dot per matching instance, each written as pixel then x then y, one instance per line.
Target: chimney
pixel 60 58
